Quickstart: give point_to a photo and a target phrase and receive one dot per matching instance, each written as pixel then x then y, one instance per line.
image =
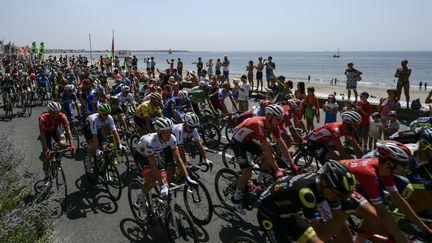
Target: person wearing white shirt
pixel 243 99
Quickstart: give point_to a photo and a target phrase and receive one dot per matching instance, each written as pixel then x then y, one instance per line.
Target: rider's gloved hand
pixel 191 182
pixel 164 190
pixel 122 147
pixel 208 162
pixel 46 152
pixel 72 148
pixel 98 153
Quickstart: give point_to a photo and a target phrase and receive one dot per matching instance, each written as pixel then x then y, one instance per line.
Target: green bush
pixel 23 219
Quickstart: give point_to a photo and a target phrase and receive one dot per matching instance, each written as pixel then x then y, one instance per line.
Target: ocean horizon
pixel 378 67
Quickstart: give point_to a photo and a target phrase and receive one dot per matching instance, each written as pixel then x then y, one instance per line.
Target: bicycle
pixel 106 172
pixel 7 106
pixel 165 211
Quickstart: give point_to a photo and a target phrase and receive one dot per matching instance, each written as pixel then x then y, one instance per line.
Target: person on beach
pixel 243 99
pixel 225 68
pixel 171 64
pixel 310 108
pixel 388 104
pixel 364 108
pixel 403 73
pixel 148 69
pixel 259 73
pixel 218 66
pixel 330 108
pixel 270 67
pixel 375 130
pixel 199 65
pixel 353 75
pixel 391 126
pixel 300 92
pixel 152 66
pixel 250 74
pixel 425 85
pixel 209 65
pixel 179 66
pixel 420 85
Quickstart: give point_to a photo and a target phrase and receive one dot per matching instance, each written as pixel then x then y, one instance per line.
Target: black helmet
pixel 338 177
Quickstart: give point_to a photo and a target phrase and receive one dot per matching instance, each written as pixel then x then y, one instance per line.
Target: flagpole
pixel 112 48
pixel 91 58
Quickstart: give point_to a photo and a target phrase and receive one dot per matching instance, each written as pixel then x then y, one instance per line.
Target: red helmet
pixel 393 151
pixel 32 76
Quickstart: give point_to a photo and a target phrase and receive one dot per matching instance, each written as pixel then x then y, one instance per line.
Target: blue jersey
pixel 65 101
pixel 173 105
pixel 42 79
pixel 91 97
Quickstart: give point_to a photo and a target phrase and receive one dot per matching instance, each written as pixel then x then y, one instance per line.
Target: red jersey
pixel 48 124
pixel 366 107
pixel 329 133
pixel 367 177
pixel 253 128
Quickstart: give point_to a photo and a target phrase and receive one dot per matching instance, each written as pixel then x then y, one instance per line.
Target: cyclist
pixel 371 174
pixel 218 98
pixel 148 111
pixel 7 87
pixel 173 108
pixel 188 129
pixel 281 205
pixel 42 80
pixel 94 132
pixel 250 136
pixel 49 122
pixel 257 111
pixel 68 98
pixel 319 139
pixel 117 112
pixel 125 97
pixel 146 154
pixel 93 99
pixel 200 94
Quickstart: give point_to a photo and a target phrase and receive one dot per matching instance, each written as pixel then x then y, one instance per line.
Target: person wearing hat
pixel 403 73
pixel 388 104
pixel 392 124
pixel 330 108
pixel 364 108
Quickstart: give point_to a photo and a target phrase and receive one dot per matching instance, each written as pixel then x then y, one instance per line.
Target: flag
pixel 112 46
pixel 41 51
pixel 34 48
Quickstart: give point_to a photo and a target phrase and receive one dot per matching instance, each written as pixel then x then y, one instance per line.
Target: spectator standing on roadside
pixel 259 73
pixel 420 85
pixel 250 74
pixel 209 65
pixel 425 85
pixel 375 130
pixel 388 104
pixel 270 67
pixel 199 65
pixel 364 108
pixel 225 68
pixel 403 73
pixel 179 66
pixel 218 68
pixel 243 99
pixel 330 108
pixel 392 125
pixel 353 76
pixel 152 66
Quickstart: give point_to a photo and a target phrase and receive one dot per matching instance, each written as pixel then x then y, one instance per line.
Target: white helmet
pixel 191 119
pixel 394 151
pixel 274 110
pixel 69 87
pixel 351 116
pixel 163 124
pixel 182 94
pixel 125 88
pixel 54 107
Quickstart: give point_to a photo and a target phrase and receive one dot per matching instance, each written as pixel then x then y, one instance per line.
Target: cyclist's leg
pixel 146 171
pixel 169 162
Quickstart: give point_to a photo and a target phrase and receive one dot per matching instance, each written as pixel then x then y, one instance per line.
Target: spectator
pixel 364 108
pixel 180 67
pixel 218 68
pixel 330 108
pixel 250 74
pixel 199 65
pixel 403 73
pixel 420 85
pixel 375 130
pixel 353 75
pixel 310 108
pixel 225 68
pixel 388 104
pixel 425 85
pixel 209 65
pixel 259 73
pixel 348 106
pixel 243 99
pixel 300 92
pixel 270 67
pixel 392 125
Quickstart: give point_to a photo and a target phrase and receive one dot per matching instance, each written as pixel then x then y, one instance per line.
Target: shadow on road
pixel 135 232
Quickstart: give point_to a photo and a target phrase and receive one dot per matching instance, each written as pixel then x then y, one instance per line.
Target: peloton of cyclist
pixel 67 98
pixel 147 112
pixel 173 108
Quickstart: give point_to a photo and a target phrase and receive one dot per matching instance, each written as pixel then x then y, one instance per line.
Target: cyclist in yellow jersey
pixel 147 111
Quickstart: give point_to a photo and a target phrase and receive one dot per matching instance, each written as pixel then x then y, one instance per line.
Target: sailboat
pixel 336 55
pixel 170 51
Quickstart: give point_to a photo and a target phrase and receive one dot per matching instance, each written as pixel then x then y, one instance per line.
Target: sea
pixel 378 67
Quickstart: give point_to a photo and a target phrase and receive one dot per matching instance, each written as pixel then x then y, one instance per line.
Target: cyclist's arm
pixel 233 103
pixel 357 150
pixel 68 134
pixel 328 229
pixel 388 223
pixel 179 161
pixel 267 153
pixel 341 150
pixel 201 149
pixel 42 138
pixel 406 209
pixel 122 119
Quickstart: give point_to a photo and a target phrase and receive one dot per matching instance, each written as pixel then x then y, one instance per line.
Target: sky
pixel 223 25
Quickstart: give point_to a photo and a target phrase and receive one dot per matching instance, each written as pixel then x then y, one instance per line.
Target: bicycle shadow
pixel 88 200
pixel 227 234
pixel 135 232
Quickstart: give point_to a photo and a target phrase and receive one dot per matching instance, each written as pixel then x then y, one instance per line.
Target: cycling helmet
pixel 104 108
pixel 338 177
pixel 331 96
pixel 264 103
pixel 351 116
pixel 54 107
pixel 163 124
pixel 100 89
pixel 191 119
pixel 426 136
pixel 202 83
pixel 125 88
pixel 182 94
pixel 226 85
pixel 393 151
pixel 69 87
pixel 293 104
pixel 274 110
pixel 156 96
pixel 114 99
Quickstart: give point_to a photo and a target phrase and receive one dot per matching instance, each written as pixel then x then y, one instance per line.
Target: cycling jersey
pixel 42 79
pixel 146 110
pixel 181 135
pixel 421 123
pixel 329 134
pixel 95 123
pixel 50 124
pixel 126 98
pixel 245 115
pixel 66 100
pixel 368 180
pixel 91 97
pixel 150 144
pixel 174 105
pixel 254 128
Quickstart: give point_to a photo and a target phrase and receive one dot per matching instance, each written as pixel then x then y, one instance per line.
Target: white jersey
pixel 96 123
pixel 181 135
pixel 151 145
pixel 128 98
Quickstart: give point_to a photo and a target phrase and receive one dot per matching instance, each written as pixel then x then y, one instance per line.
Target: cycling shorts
pixel 317 150
pixel 89 136
pixel 241 149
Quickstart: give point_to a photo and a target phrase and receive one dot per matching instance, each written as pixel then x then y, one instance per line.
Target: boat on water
pixel 170 51
pixel 336 55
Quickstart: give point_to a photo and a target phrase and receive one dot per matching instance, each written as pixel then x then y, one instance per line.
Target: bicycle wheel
pixel 134 190
pixel 210 135
pixel 198 203
pixel 179 226
pixel 193 155
pixel 305 162
pixel 243 239
pixel 225 186
pixel 59 187
pixel 229 131
pixel 75 136
pixel 124 163
pixel 228 157
pixel 112 181
pixel 9 111
pixel 133 140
